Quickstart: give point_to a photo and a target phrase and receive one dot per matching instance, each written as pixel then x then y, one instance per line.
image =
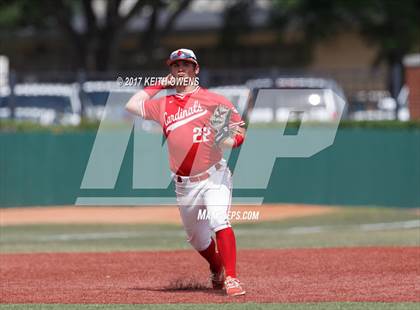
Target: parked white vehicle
pixel 43 103
pixel 95 96
pixel 384 106
pixel 283 99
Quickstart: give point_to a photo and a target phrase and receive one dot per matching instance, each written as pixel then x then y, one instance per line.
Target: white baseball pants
pixel 204 205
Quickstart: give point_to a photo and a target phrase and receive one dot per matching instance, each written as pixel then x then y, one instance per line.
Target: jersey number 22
pixel 201 134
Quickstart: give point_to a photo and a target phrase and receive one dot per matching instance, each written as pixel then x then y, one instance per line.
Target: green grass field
pixel 348 227
pixel 345 228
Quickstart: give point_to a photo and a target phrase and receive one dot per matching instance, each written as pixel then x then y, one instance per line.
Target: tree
pixel 236 21
pixel 392 26
pixel 96 44
pixel 151 37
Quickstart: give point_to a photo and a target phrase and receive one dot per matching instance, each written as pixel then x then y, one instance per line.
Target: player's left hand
pixel 219 122
pixel 221 135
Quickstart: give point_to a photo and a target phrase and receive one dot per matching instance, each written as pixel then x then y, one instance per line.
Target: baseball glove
pixel 219 122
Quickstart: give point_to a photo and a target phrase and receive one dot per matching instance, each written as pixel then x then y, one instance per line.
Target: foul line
pixel 298 230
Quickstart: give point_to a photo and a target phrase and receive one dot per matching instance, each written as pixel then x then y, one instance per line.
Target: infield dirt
pixel 298 275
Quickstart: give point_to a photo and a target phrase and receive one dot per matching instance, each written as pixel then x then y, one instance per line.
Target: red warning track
pixel 303 275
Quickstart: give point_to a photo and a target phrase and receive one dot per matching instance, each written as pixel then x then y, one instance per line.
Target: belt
pixel 198 178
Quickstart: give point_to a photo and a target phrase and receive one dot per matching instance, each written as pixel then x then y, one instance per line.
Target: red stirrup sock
pixel 226 245
pixel 212 257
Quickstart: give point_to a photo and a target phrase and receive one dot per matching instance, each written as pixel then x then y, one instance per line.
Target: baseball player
pixel 198 126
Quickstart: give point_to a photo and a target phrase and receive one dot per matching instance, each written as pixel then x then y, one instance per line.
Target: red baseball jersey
pixel 185 121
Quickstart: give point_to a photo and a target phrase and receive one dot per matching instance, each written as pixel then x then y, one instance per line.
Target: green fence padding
pixel 363 167
pixel 42 168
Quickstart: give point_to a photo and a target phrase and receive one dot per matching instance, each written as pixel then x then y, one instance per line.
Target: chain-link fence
pixel 65 92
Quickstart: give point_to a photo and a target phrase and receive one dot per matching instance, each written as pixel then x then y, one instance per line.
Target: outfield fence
pixel 364 166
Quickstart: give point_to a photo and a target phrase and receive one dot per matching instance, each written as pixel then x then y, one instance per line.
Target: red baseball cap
pixel 182 54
